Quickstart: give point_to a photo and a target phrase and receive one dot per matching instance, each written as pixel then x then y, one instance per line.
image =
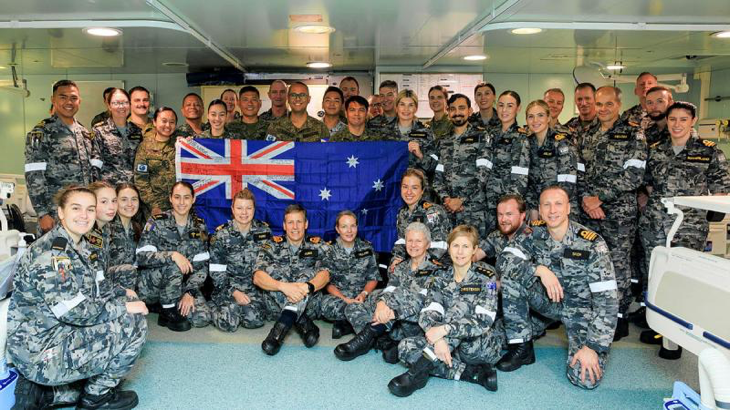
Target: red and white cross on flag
pixel 236 167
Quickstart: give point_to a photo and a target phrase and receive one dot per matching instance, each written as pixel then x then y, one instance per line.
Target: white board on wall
pixel 421 83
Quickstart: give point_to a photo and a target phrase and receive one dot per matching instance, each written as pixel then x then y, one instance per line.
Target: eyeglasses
pixel 300 96
pixel 119 104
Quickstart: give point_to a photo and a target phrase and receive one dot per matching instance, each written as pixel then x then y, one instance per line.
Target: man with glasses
pixel 298 125
pixel 375 103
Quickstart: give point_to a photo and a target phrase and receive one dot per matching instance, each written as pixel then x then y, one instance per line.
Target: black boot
pixel 389 347
pixel 622 329
pixel 173 320
pixel 667 354
pixel 341 328
pixel 390 355
pixel 31 396
pixel 650 337
pixel 275 339
pixel 483 375
pixel 639 318
pixel 415 378
pixel 113 400
pixel 517 355
pixel 357 346
pixel 308 331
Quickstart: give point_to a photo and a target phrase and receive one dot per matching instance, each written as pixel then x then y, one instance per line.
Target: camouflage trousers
pixel 484 349
pixel 123 275
pixel 333 308
pixel 619 235
pixel 164 286
pixel 360 315
pixel 102 353
pixel 519 295
pixel 476 217
pixel 227 315
pixel 276 302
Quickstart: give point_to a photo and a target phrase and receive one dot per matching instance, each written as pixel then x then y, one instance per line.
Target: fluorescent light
pixel 103 31
pixel 475 57
pixel 615 67
pixel 721 34
pixel 314 29
pixel 318 64
pixel 2 67
pixel 527 30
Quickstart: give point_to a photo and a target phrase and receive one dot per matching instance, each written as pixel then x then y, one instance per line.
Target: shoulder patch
pixel 265 223
pixel 559 137
pixel 484 271
pixel 59 244
pixel 277 239
pixel 315 239
pixel 522 130
pixel 633 124
pixel 587 235
pixel 220 227
pixel 436 262
pixel 427 205
pixel 159 216
pixel 538 222
pixel 709 143
pixel 654 145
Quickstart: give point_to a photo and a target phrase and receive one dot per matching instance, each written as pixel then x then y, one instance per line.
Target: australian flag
pixel 325 178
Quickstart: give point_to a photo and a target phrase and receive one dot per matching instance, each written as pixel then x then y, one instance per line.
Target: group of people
pixel 543 217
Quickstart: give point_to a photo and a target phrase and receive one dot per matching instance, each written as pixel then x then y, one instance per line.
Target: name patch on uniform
pixel 587 235
pixel 308 253
pixel 470 290
pixel 142 168
pixel 417 218
pixel 261 236
pixel 698 159
pixel 423 272
pixel 576 254
pixel 469 139
pixel 95 240
pixel 621 137
pixel 417 134
pixel 363 253
pixel 546 154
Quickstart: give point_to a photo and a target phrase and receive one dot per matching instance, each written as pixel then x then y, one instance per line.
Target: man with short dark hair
pixel 278 96
pixel 140 109
pixel 250 126
pixel 638 113
pixel 59 151
pixel 298 125
pixel 332 103
pixel 356 109
pixel 388 91
pixel 585 100
pixel 350 87
pixel 290 271
pixel 192 111
pixel 658 99
pixel 376 106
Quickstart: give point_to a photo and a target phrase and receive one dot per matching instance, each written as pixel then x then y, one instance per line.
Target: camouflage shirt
pixel 341 125
pixel 117 151
pixel 186 131
pixel 100 117
pixel 57 287
pixel 99 240
pixel 232 257
pixel 382 124
pixel 578 127
pixel 246 131
pixel 468 307
pixel 283 129
pixel 154 171
pixel 161 238
pixel 424 137
pixel 553 163
pixel 286 263
pixel 228 133
pixel 440 128
pixel 582 263
pixel 122 245
pixel 407 287
pixel 344 135
pixel 57 155
pixel 638 116
pixel 268 116
pixel 495 242
pixel 511 158
pixel 493 123
pixel 655 134
pixel 433 216
pixel 351 271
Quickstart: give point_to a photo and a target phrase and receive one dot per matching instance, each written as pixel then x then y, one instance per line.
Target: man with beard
pixel 658 99
pixel 638 113
pixel 464 167
pixel 192 110
pixel 356 108
pixel 511 226
pixel 139 98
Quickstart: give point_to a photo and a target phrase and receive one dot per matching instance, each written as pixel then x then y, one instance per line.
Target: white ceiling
pixel 370 35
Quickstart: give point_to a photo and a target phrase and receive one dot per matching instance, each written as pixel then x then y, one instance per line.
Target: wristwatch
pixel 311 288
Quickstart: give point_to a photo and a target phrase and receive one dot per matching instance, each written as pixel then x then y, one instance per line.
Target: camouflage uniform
pixel 65 323
pixel 57 155
pixel 117 151
pixel 154 171
pixel 494 243
pixel 654 134
pixel 404 294
pixel 246 131
pixel 268 116
pixel 293 265
pixel 100 117
pixel 493 124
pixel 578 127
pixel 232 257
pixel 382 125
pixel 424 137
pixel 160 279
pixel 468 309
pixel 614 169
pixel 441 128
pixel 462 172
pixel 186 131
pixel 228 133
pixel 638 116
pixel 122 255
pixel 349 272
pixel 344 135
pixel 511 158
pixel 582 264
pixel 553 163
pixel 341 125
pixel 433 216
pixel 699 169
pixel 283 129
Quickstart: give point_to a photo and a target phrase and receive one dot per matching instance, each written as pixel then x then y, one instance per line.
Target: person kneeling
pixel 462 339
pixel 564 272
pixel 290 272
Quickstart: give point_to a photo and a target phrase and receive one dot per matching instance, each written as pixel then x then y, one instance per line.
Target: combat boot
pixel 667 354
pixel 622 329
pixel 415 378
pixel 389 347
pixel 483 375
pixel 275 339
pixel 31 396
pixel 341 328
pixel 307 330
pixel 173 320
pixel 113 400
pixel 517 355
pixel 357 346
pixel 650 337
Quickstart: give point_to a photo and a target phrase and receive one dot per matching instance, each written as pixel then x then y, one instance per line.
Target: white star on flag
pixel 378 185
pixel 325 194
pixel 364 211
pixel 352 162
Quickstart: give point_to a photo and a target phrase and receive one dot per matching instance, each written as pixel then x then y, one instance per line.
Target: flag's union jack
pixel 237 168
